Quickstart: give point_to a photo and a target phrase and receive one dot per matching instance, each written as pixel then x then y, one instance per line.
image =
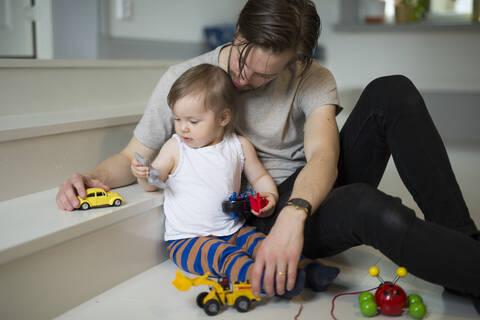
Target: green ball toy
pixel 368 308
pixel 365 296
pixel 417 310
pixel 414 298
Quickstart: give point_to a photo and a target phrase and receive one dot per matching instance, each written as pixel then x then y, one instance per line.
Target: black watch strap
pixel 300 203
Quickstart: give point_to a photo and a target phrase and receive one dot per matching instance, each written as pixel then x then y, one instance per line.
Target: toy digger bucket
pixel 181 282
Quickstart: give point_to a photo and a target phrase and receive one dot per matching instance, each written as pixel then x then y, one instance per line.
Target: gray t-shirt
pixel 271 117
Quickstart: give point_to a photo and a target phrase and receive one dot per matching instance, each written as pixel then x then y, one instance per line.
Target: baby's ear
pixel 225 117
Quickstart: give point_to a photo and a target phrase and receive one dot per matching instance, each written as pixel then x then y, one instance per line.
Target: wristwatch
pixel 301 204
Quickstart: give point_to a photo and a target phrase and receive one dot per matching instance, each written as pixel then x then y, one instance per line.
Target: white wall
pixel 44 32
pixel 179 20
pixel 434 60
pixel 75 29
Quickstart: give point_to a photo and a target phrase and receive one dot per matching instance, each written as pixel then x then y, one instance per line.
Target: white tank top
pixel 204 177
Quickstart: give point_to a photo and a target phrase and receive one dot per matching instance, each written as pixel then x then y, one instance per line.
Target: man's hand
pixel 76 185
pixel 279 253
pixel 114 170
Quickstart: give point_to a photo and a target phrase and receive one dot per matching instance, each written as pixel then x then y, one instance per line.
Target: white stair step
pixel 53 260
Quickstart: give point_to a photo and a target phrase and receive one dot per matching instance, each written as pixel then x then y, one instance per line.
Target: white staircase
pixel 61 117
pixel 57 118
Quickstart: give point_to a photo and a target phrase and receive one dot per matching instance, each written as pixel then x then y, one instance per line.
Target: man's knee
pixel 374 209
pixel 358 194
pixel 390 83
pixel 395 95
pixel 356 214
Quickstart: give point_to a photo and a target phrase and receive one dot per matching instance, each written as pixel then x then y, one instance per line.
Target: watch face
pixel 301 203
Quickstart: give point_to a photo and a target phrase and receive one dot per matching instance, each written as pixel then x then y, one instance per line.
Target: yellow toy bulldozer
pixel 220 294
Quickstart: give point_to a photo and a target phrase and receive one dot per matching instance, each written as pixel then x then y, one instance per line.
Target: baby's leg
pixel 220 257
pixel 211 254
pixel 248 239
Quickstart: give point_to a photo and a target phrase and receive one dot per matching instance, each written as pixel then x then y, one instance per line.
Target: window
pixel 390 15
pixel 451 7
pixel 438 9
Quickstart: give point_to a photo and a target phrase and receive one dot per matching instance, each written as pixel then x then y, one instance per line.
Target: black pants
pixel 391 118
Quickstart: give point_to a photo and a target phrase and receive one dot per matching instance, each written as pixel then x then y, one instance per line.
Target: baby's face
pixel 194 124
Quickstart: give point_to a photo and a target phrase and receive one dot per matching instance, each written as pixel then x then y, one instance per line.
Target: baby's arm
pixel 259 177
pixel 164 164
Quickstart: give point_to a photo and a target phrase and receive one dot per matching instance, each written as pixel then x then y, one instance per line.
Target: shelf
pixel 406 27
pixel 91 64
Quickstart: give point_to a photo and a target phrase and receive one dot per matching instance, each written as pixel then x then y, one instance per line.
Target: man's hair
pixel 279 25
pixel 211 83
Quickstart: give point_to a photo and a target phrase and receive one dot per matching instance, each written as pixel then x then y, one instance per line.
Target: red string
pixel 299 311
pixel 344 294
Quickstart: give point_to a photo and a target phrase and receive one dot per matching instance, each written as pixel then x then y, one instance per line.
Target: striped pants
pixel 231 255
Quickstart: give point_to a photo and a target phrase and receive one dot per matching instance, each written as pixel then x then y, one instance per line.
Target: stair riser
pixel 47 283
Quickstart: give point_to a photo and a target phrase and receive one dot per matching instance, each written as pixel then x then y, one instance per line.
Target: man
pixel 288 105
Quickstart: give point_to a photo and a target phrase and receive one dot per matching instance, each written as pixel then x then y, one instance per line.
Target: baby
pixel 201 165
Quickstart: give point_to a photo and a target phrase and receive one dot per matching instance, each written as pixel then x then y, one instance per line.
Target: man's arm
pixel 322 149
pixel 281 249
pixel 111 173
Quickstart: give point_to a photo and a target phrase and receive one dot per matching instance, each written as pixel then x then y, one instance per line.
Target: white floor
pixel 150 295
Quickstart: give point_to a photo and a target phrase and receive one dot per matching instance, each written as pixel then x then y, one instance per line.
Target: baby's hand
pixel 269 208
pixel 140 171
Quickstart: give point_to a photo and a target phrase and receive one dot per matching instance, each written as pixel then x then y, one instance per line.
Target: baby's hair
pixel 210 81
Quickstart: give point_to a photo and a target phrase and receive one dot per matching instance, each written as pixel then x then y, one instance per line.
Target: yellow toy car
pixel 220 294
pixel 97 197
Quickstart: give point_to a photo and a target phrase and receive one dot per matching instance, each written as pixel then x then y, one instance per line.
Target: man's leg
pixel 361 214
pixel 391 118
